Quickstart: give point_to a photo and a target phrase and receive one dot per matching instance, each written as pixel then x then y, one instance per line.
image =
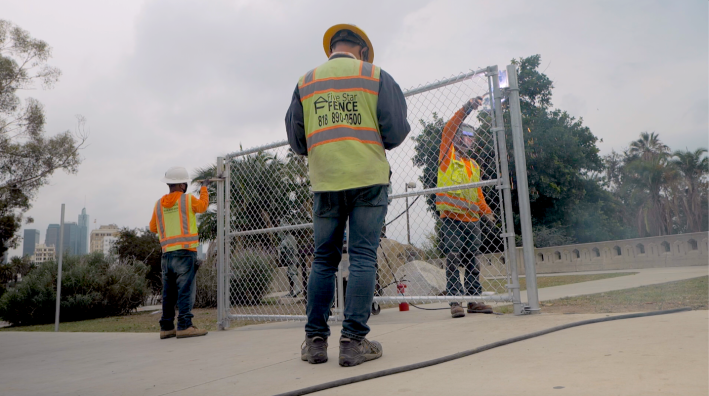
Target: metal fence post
pixel 221 300
pixel 525 216
pixel 59 270
pixel 226 270
pixel 499 129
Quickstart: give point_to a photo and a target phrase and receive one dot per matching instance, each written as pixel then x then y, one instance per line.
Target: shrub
pixel 92 287
pixel 252 273
pixel 142 245
pixel 206 288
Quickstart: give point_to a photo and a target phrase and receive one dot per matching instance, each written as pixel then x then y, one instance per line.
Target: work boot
pixel 354 352
pixel 457 311
pixel 476 307
pixel 167 334
pixel 314 350
pixel 191 331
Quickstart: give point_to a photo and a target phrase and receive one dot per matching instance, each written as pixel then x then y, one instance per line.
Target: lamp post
pixel 59 271
pixel 408 229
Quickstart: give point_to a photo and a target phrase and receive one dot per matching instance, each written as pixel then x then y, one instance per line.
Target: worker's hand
pixel 476 102
pixel 490 217
pixel 205 183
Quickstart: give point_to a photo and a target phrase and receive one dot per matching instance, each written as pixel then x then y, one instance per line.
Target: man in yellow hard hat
pixel 343 115
pixel 175 223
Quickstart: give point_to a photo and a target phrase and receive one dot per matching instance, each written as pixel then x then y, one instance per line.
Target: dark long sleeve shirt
pixel 391 115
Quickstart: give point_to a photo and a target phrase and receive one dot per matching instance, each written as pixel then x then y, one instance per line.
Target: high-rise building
pixel 98 235
pixel 43 253
pixel 83 246
pixel 108 242
pixel 71 239
pixel 30 239
pixel 51 238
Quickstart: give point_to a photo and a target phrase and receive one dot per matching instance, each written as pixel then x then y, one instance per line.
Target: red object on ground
pixel 401 288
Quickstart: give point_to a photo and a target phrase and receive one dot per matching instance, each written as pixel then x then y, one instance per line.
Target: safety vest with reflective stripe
pixel 460 171
pixel 177 226
pixel 345 148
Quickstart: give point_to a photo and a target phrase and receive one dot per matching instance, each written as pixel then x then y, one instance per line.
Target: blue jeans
pixel 366 209
pixel 178 288
pixel 460 242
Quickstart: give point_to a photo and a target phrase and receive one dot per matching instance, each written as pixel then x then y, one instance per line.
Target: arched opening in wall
pixel 692 244
pixel 665 247
pixel 596 252
pixel 557 256
pixel 641 248
pixel 616 250
pixel 575 254
pixel 540 257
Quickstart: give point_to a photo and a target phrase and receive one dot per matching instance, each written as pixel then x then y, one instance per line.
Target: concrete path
pixel 644 277
pixel 661 355
pixel 665 355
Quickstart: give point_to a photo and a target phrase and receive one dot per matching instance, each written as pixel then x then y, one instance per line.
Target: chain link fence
pixel 265 204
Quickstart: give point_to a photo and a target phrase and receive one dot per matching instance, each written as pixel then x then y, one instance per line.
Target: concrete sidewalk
pixel 644 277
pixel 665 355
pixel 661 355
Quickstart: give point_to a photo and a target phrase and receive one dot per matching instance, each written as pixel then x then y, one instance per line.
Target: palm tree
pixel 693 166
pixel 648 180
pixel 265 191
pixel 648 146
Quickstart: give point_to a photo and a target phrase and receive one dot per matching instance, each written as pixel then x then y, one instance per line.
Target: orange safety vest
pixel 177 225
pixel 464 201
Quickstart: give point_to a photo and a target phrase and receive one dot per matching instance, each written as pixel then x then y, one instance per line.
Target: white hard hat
pixel 176 175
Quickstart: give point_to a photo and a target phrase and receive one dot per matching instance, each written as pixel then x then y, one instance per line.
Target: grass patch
pixel 691 293
pixel 551 281
pixel 139 322
pixel 146 322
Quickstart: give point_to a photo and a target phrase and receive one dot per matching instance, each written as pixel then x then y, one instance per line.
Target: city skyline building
pixel 29 241
pixel 51 238
pixel 98 235
pixel 108 243
pixel 43 253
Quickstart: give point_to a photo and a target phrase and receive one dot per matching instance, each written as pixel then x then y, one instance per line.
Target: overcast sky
pixel 165 83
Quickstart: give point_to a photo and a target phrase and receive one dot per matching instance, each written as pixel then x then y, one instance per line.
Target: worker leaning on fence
pixel 174 222
pixel 343 115
pixel 460 210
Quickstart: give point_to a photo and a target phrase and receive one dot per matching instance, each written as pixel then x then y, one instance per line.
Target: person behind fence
pixel 343 115
pixel 460 210
pixel 289 258
pixel 175 223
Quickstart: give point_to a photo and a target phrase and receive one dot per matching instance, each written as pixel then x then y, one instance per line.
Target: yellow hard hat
pixel 330 33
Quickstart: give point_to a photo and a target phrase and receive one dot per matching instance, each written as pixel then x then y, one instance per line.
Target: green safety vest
pixel 345 148
pixel 177 225
pixel 460 171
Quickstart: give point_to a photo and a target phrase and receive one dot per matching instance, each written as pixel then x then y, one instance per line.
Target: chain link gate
pixel 264 216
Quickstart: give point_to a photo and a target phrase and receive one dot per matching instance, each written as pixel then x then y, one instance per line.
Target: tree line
pixel 577 195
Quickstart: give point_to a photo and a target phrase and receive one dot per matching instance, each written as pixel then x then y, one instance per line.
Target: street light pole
pixel 59 270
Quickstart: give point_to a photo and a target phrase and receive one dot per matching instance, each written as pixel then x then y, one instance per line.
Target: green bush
pixel 252 273
pixel 206 287
pixel 92 287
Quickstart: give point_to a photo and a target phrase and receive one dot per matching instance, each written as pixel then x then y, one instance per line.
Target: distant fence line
pixel 679 250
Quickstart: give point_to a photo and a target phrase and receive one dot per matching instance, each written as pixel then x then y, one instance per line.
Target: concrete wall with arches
pixel 654 252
